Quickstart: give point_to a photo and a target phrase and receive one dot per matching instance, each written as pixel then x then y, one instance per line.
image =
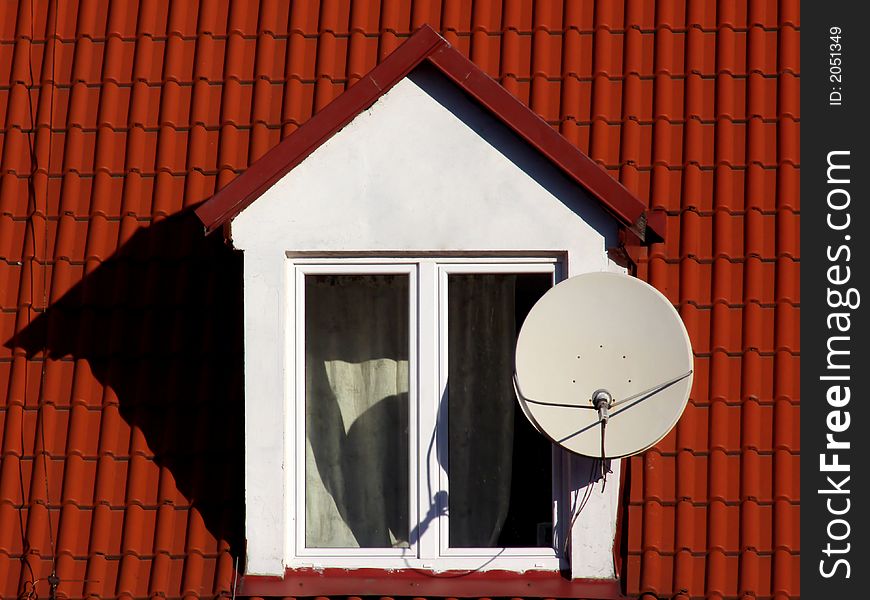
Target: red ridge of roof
pixel 427 45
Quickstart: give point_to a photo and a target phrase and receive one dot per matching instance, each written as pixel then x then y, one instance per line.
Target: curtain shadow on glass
pixel 357 492
pixel 357 486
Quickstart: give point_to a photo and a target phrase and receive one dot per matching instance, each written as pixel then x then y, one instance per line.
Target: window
pixel 408 445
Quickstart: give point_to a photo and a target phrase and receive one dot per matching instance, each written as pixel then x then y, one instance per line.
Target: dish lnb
pixel 603 365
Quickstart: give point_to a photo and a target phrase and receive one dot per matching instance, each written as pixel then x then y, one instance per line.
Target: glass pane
pixel 356 411
pixel 500 468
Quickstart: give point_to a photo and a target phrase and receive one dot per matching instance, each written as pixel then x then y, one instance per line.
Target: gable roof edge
pixel 427 45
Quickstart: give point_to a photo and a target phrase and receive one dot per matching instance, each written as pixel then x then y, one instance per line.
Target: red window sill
pixel 414 582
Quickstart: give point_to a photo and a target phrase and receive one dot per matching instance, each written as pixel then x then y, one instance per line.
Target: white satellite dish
pixel 603 365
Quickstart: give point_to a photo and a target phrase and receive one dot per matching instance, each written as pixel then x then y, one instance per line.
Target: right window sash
pixel 502 488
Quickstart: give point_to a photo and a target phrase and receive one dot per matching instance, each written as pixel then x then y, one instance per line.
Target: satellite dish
pixel 603 365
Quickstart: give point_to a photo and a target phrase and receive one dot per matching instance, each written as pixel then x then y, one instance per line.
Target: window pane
pixel 356 411
pixel 500 468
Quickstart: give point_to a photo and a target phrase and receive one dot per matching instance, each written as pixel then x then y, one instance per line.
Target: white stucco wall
pixel 424 169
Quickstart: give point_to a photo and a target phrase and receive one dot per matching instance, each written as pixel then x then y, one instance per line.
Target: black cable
pixel 604 468
pixel 559 404
pixel 522 397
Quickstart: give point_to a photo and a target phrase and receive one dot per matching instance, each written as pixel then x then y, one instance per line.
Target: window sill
pixel 416 583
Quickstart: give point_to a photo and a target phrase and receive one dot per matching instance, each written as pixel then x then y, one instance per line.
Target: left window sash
pixel 352 350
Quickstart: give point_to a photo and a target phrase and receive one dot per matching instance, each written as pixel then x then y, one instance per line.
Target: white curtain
pixel 356 411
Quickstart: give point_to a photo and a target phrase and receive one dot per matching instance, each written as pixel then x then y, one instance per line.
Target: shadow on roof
pixel 160 323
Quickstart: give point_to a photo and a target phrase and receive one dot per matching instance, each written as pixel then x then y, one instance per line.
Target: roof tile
pixel 395 17
pixel 74 530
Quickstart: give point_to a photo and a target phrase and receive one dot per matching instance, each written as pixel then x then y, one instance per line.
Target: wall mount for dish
pixel 603 352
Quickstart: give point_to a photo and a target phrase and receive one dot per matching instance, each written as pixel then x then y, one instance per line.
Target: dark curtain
pixel 480 397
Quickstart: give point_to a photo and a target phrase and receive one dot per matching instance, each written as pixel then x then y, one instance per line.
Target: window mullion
pixel 441 432
pixel 429 400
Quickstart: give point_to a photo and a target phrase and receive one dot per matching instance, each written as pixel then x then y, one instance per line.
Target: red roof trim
pixel 426 45
pixel 416 583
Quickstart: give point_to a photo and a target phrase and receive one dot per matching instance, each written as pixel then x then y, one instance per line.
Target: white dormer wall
pixel 423 169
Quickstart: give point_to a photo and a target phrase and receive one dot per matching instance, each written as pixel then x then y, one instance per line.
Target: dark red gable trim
pixel 426 45
pixel 414 583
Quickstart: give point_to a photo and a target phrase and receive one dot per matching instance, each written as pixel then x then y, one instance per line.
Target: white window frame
pixel 428 378
pixel 298 443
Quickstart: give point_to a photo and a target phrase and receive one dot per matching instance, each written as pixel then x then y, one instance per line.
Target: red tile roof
pixel 122 390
